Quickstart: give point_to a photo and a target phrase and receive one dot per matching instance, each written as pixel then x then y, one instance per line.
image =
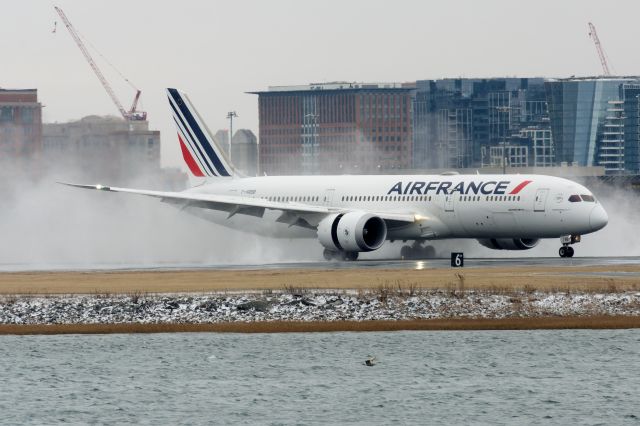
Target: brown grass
pixel 527 279
pixel 544 323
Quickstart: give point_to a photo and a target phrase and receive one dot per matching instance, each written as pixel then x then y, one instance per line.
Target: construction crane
pixel 601 55
pixel 132 114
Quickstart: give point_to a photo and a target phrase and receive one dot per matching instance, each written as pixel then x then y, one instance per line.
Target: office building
pixel 592 120
pixel 109 148
pixel 631 106
pixel 335 128
pixel 20 130
pixel 462 122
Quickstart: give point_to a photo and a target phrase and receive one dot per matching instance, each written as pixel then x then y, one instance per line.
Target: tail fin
pixel 199 150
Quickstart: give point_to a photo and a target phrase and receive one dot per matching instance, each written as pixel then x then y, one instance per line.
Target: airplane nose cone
pixel 598 218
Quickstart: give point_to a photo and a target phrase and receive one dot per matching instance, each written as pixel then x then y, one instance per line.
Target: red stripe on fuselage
pixel 189 159
pixel 519 187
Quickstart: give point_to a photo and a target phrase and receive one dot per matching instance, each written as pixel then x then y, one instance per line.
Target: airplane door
pixel 448 203
pixel 541 200
pixel 328 197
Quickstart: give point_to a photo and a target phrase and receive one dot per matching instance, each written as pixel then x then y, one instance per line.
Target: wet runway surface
pixel 436 263
pixel 468 263
pixel 542 262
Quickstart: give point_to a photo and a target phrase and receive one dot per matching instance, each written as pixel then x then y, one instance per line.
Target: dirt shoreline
pixel 461 324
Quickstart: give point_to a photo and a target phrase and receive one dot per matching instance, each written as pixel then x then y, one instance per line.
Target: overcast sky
pixel 216 51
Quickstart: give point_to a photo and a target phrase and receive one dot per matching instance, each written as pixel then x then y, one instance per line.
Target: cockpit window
pixel 588 198
pixel 574 199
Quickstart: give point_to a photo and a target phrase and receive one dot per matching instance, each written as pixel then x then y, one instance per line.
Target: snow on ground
pixel 306 306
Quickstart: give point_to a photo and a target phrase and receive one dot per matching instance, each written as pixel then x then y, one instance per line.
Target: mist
pixel 45 225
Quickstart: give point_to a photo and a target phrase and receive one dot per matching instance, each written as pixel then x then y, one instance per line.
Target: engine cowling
pixel 353 231
pixel 509 243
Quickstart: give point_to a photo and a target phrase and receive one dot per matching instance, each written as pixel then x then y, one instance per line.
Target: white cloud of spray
pixel 44 225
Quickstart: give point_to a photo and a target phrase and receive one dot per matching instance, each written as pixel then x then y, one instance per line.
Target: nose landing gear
pixel 566 250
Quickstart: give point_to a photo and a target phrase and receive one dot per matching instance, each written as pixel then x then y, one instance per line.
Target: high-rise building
pixel 20 129
pixel 457 122
pixel 589 122
pixel 631 98
pixel 335 128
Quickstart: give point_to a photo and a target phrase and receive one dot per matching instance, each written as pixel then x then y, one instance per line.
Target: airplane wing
pixel 292 212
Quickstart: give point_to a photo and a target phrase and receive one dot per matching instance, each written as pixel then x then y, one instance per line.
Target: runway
pixel 543 262
pixel 507 262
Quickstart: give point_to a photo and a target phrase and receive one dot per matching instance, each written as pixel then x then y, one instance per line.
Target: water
pixel 504 377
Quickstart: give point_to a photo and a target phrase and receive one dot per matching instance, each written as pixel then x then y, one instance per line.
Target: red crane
pixel 601 55
pixel 132 114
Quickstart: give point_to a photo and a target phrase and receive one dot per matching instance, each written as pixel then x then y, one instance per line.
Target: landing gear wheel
pixel 350 256
pixel 406 252
pixel 328 254
pixel 417 252
pixel 563 251
pixel 570 251
pixel 429 252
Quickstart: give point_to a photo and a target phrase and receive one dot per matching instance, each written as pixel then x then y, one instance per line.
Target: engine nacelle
pixel 509 243
pixel 353 231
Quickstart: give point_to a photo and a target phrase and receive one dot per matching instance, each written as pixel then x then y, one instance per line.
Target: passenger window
pixel 588 198
pixel 574 199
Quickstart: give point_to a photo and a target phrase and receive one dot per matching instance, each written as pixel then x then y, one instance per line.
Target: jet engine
pixel 352 232
pixel 509 243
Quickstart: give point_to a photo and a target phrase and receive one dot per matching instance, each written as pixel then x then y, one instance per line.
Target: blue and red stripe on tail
pixel 199 150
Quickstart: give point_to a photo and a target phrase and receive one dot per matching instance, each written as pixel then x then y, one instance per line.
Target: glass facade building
pixel 631 98
pixel 587 121
pixel 457 121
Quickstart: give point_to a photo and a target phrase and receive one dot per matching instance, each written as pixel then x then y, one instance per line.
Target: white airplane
pixel 353 214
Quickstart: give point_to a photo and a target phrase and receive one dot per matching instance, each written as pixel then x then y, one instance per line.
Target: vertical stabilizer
pixel 199 150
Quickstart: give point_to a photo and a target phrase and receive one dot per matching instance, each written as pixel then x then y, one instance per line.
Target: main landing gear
pixel 340 255
pixel 566 250
pixel 417 251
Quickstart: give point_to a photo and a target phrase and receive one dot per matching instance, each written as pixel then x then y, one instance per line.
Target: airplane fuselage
pixel 445 206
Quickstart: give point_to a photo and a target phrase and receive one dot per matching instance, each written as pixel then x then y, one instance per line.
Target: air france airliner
pixel 353 214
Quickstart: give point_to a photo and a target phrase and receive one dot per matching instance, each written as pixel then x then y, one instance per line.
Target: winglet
pixel 77 185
